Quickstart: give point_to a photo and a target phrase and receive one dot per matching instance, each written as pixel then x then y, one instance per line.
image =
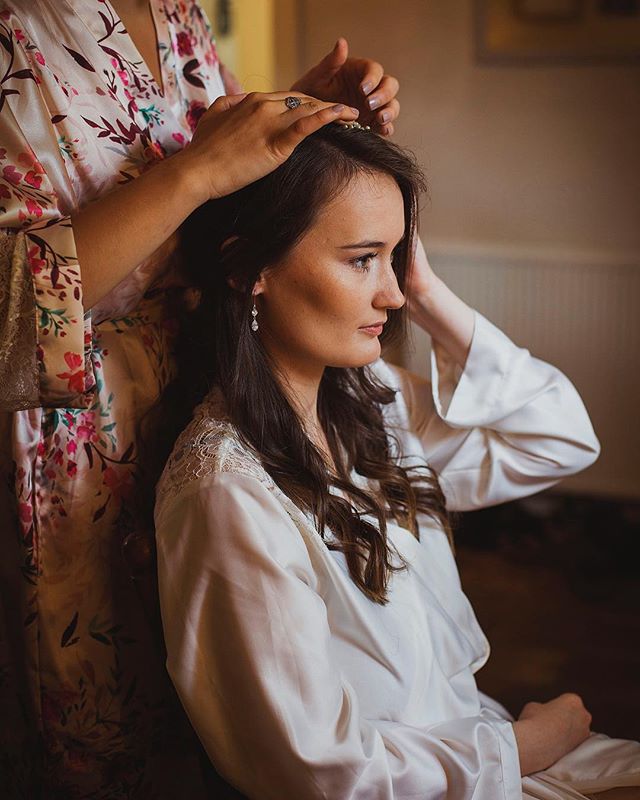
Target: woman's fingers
pixel 384 93
pixel 275 102
pixel 308 104
pixel 373 74
pixel 308 123
pixel 389 114
pixel 311 106
pixel 384 105
pixel 278 96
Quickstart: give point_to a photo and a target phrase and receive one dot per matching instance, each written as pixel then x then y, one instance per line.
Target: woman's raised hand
pixel 243 137
pixel 547 731
pixel 359 82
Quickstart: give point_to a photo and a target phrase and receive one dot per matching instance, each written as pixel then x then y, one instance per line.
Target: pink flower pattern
pixel 104 717
pixel 194 112
pixel 185 43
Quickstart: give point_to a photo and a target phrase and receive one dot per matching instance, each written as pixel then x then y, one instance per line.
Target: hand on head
pixel 241 138
pixel 357 82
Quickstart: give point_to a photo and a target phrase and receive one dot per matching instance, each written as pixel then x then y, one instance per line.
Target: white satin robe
pixel 301 687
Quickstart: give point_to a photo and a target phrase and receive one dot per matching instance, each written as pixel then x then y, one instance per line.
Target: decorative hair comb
pixel 356 125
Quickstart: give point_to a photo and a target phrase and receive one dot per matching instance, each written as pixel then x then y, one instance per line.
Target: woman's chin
pixel 359 356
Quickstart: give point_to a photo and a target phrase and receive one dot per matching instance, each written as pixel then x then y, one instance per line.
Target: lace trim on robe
pixel 19 378
pixel 208 444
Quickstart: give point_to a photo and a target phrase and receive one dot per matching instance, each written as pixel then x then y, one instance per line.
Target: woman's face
pixel 326 302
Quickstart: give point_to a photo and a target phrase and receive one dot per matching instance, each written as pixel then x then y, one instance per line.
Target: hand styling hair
pixel 226 244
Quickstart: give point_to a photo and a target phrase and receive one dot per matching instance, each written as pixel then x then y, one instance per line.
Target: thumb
pixel 334 60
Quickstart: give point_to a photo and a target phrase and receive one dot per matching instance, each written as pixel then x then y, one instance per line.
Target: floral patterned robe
pixel 86 709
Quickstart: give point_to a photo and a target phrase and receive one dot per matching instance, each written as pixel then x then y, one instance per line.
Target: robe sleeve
pixel 249 652
pixel 506 426
pixel 44 333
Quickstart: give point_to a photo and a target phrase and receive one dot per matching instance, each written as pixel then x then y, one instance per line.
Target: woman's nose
pixel 389 294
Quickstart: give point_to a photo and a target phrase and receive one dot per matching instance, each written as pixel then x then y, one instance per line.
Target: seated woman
pixel 315 625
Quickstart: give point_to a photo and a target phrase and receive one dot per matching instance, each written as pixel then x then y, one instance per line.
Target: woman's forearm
pixel 118 231
pixel 445 317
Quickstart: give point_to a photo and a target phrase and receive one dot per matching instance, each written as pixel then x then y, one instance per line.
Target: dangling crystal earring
pixel 254 314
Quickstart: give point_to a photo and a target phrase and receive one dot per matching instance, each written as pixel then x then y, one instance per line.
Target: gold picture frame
pixel 557 31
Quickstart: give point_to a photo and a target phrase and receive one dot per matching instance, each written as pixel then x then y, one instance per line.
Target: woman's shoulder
pixel 208 446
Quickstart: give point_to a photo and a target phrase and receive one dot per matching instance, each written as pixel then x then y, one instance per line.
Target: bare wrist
pixel 186 176
pixel 425 297
pixel 529 747
pixel 444 316
pixel 424 303
pixel 539 744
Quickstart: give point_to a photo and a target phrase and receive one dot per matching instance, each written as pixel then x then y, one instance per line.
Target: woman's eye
pixel 362 262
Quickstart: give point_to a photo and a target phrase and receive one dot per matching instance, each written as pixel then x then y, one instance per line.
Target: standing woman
pixel 93 94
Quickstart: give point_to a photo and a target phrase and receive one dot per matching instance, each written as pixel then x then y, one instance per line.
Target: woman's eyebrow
pixel 361 245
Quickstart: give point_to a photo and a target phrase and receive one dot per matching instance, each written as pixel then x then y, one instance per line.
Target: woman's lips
pixel 373 330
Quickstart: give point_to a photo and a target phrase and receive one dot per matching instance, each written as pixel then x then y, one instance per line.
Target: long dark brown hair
pixel 238 236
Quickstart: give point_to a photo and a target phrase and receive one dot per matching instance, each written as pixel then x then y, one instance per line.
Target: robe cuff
pixel 63 330
pixel 509 759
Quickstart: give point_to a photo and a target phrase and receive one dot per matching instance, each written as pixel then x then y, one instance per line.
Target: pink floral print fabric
pixel 86 710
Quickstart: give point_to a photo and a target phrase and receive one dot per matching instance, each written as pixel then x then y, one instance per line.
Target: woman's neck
pixel 302 391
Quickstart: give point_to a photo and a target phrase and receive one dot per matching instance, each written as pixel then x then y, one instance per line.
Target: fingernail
pixel 366 87
pixel 385 116
pixel 339 108
pixel 355 110
pixel 374 102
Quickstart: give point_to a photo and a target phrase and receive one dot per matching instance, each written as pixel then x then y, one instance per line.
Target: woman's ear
pixel 260 285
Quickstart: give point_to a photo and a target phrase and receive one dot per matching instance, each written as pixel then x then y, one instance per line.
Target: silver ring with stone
pixel 292 102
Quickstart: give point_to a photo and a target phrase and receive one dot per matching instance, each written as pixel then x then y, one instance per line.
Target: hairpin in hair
pixel 355 125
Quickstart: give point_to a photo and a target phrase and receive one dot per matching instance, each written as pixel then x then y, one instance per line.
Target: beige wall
pixel 534 177
pixel 533 155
